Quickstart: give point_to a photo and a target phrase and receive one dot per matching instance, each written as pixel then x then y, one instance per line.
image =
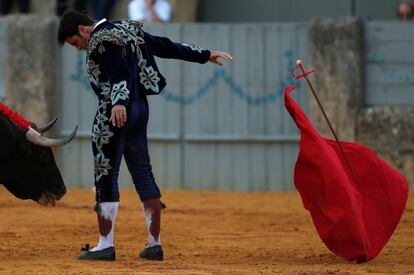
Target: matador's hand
pixel 118 115
pixel 215 55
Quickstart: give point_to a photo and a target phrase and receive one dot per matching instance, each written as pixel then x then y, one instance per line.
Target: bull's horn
pixel 36 138
pixel 48 125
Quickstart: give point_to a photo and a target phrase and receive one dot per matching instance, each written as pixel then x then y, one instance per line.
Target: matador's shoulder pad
pixel 120 33
pixel 109 35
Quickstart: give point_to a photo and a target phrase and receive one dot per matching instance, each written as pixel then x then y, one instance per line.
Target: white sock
pixel 107 213
pixel 148 219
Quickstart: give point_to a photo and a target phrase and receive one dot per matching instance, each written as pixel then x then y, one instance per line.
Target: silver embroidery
pixel 149 78
pixel 105 89
pixel 119 92
pixel 131 31
pixel 97 38
pixel 101 166
pixel 101 48
pixel 101 133
pixel 194 47
pixel 100 136
pixel 93 72
pixel 101 119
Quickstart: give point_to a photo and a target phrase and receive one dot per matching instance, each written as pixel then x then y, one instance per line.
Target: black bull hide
pixel 27 170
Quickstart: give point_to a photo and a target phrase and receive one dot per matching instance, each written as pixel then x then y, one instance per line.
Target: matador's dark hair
pixel 69 23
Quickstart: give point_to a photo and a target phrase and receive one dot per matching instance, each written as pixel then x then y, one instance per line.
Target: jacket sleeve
pixel 113 64
pixel 165 48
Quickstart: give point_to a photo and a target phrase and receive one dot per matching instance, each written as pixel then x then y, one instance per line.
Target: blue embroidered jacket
pixel 120 60
pixel 121 68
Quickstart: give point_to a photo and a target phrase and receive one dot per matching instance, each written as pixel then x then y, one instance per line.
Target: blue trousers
pixel 131 142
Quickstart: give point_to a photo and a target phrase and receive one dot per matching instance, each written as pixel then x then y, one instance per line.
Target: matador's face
pixel 78 41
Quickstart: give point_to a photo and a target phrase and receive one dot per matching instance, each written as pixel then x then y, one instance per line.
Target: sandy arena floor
pixel 202 233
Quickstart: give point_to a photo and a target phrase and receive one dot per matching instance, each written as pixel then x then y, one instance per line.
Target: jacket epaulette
pixel 125 31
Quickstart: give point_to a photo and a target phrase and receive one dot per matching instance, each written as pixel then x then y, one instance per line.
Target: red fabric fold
pixel 355 221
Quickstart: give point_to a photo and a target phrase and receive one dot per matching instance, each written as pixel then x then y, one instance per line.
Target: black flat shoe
pixel 107 254
pixel 153 253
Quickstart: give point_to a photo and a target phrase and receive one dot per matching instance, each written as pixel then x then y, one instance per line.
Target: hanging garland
pixel 14 117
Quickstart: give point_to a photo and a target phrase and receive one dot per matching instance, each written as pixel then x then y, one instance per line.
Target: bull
pixel 27 166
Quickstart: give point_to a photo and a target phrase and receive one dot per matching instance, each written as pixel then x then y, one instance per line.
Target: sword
pixel 304 74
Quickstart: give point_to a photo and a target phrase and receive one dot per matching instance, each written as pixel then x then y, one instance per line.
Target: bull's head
pixel 30 171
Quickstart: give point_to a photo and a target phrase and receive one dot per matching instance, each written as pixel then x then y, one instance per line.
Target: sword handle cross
pixel 302 72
